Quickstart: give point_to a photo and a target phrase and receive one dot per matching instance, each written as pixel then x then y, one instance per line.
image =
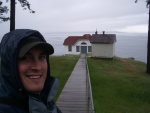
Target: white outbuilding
pixel 103 45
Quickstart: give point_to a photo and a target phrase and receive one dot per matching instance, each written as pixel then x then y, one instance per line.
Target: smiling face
pixel 33 70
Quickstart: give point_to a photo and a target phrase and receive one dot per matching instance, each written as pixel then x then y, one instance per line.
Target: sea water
pixel 132 46
pixel 127 45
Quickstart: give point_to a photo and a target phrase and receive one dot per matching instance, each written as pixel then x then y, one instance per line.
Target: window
pixel 77 49
pixel 89 48
pixel 83 43
pixel 69 48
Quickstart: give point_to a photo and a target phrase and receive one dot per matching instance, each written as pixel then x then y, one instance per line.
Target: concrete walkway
pixel 73 98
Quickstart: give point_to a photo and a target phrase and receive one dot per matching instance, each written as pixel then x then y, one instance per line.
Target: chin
pixel 35 90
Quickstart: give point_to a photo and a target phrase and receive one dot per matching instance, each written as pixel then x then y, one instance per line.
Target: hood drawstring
pixel 20 89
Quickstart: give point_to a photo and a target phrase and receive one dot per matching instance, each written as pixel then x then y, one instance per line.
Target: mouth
pixel 34 76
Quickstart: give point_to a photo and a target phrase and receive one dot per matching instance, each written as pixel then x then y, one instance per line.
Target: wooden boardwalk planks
pixel 73 98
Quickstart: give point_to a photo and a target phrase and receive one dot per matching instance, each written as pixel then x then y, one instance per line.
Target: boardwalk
pixel 73 98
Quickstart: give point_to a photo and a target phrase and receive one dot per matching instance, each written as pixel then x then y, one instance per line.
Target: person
pixel 25 82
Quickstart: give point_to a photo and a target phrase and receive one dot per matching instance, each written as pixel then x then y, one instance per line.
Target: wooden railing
pixel 89 90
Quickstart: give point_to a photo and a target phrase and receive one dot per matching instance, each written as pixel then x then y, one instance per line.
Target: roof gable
pixel 71 40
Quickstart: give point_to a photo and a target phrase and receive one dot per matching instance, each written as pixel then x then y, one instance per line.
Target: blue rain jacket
pixel 13 97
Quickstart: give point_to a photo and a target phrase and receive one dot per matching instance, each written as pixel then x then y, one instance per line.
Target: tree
pixel 3 9
pixel 12 15
pixel 24 3
pixel 148 42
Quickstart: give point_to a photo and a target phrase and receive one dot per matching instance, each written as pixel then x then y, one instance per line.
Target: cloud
pixel 81 15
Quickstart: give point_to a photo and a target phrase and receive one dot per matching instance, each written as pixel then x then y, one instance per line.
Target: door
pixel 83 49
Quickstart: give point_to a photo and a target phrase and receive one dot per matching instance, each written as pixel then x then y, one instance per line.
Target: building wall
pixel 78 43
pixel 103 50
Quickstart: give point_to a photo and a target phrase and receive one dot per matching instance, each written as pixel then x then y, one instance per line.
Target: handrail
pixel 90 96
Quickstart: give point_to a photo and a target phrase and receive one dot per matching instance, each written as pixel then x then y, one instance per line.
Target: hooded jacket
pixel 13 97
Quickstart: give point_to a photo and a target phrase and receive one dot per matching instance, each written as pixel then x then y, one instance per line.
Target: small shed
pixel 103 45
pixel 77 44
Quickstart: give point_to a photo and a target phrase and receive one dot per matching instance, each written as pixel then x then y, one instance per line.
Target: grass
pixel 61 68
pixel 119 86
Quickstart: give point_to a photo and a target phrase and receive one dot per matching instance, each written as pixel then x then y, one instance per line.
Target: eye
pixel 42 57
pixel 26 58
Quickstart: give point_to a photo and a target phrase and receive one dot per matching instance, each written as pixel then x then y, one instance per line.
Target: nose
pixel 36 64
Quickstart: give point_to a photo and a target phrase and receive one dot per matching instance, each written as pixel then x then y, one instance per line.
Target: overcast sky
pixel 82 15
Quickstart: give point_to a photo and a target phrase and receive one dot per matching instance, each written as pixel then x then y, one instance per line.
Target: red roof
pixel 71 40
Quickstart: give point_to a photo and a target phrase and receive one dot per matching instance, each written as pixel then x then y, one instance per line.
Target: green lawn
pixel 119 86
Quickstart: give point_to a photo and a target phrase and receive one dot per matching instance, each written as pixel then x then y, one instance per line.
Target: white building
pixel 77 44
pixel 98 45
pixel 103 45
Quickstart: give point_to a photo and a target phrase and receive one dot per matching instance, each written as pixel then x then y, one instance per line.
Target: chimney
pixel 96 32
pixel 103 32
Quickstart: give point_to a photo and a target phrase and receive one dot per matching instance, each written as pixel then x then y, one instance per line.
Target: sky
pixel 81 15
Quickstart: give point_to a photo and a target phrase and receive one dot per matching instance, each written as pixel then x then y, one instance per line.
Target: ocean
pixel 134 46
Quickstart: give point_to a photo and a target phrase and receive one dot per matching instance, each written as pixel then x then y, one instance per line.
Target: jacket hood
pixel 10 46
